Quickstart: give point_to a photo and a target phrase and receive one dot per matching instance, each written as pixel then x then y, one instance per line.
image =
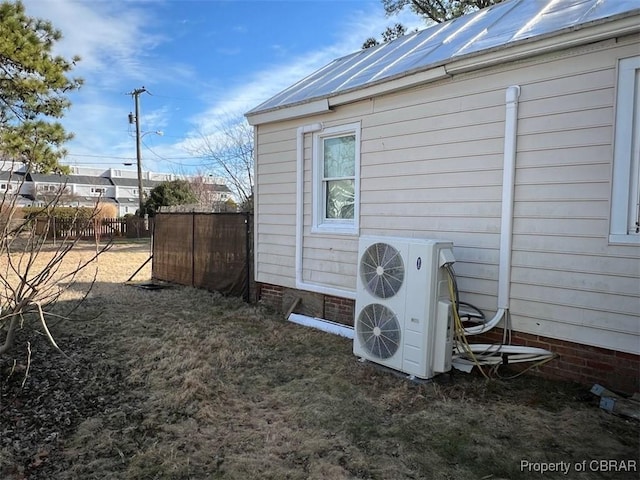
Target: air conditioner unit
pixel 403 317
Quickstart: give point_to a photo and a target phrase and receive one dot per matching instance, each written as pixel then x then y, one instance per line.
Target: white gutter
pixel 300 284
pixel 288 113
pixel 506 226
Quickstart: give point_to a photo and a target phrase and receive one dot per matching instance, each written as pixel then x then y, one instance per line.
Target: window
pixel 336 183
pixel 625 196
pixel 3 186
pixel 98 190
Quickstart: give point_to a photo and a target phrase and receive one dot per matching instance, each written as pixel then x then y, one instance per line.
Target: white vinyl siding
pixel 431 167
pixel 275 204
pixel 625 195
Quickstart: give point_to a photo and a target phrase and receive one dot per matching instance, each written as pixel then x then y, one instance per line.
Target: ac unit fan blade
pixel 382 270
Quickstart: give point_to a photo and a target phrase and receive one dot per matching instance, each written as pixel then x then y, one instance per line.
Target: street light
pixel 139 137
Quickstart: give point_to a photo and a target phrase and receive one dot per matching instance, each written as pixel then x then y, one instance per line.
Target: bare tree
pixel 228 153
pixel 211 194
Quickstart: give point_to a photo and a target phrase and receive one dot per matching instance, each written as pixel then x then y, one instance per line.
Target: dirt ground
pixel 180 383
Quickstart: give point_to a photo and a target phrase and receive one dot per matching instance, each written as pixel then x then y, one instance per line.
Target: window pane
pixel 339 156
pixel 340 199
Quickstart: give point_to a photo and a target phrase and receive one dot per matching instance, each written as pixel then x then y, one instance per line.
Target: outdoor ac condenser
pixel 403 314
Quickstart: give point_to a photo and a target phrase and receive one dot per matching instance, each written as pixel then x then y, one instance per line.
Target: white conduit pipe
pixel 488 350
pixel 506 225
pixel 318 323
pixel 315 127
pixel 322 324
pixel 300 283
pixel 488 354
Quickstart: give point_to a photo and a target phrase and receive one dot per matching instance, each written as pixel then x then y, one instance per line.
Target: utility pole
pixel 135 94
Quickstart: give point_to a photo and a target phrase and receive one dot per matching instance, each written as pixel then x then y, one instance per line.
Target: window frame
pixel 626 158
pixel 320 223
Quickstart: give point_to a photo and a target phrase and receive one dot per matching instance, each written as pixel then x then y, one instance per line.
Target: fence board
pixel 208 250
pixel 132 227
pixel 173 249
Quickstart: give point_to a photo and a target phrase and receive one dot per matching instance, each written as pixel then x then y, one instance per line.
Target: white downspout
pixel 506 225
pixel 300 284
pixel 314 127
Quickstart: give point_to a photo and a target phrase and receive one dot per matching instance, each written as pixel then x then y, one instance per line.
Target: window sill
pixel 620 239
pixel 335 230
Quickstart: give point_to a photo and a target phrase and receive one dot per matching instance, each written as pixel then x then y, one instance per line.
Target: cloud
pixel 121 45
pixel 104 36
pixel 264 84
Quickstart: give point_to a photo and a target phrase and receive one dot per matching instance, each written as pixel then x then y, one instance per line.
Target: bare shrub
pixel 106 210
pixel 30 283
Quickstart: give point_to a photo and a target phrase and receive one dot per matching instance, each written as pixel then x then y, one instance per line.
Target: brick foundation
pixel 270 295
pixel 584 364
pixel 339 310
pixel 281 299
pixel 618 371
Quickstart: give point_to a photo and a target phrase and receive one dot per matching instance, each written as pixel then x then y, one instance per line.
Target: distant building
pixel 85 187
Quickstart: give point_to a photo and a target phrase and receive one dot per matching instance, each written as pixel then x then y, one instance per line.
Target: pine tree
pixel 175 192
pixel 33 88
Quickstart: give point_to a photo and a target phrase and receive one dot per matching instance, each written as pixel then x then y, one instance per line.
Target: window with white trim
pixel 625 195
pixel 336 179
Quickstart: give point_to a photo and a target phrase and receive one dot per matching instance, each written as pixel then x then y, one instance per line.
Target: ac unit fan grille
pixel 382 270
pixel 378 331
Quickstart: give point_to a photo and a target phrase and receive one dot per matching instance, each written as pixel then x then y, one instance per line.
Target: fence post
pixel 247 260
pixel 193 249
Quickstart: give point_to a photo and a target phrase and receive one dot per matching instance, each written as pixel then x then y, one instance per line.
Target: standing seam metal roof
pixel 501 25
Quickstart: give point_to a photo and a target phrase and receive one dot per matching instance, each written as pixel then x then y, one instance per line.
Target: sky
pixel 202 62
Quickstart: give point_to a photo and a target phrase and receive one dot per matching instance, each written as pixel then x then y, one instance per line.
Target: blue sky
pixel 200 60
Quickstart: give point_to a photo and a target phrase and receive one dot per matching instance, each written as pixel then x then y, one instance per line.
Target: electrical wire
pixel 492 355
pixel 461 339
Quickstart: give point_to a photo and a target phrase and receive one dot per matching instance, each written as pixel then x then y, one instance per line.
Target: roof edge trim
pixel 288 113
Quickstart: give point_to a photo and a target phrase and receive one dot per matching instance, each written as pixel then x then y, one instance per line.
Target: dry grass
pixel 209 387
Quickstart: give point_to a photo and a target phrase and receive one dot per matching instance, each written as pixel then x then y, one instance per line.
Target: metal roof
pixel 505 24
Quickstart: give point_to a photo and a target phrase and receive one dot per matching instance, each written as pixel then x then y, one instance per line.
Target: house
pixel 73 190
pixel 512 132
pixel 12 191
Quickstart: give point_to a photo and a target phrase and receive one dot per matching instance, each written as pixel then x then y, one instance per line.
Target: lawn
pixel 182 383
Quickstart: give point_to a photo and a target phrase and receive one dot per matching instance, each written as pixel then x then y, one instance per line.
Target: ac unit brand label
pixel 419 263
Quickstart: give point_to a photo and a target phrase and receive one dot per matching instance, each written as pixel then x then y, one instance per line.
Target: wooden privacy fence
pixel 130 227
pixel 213 251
